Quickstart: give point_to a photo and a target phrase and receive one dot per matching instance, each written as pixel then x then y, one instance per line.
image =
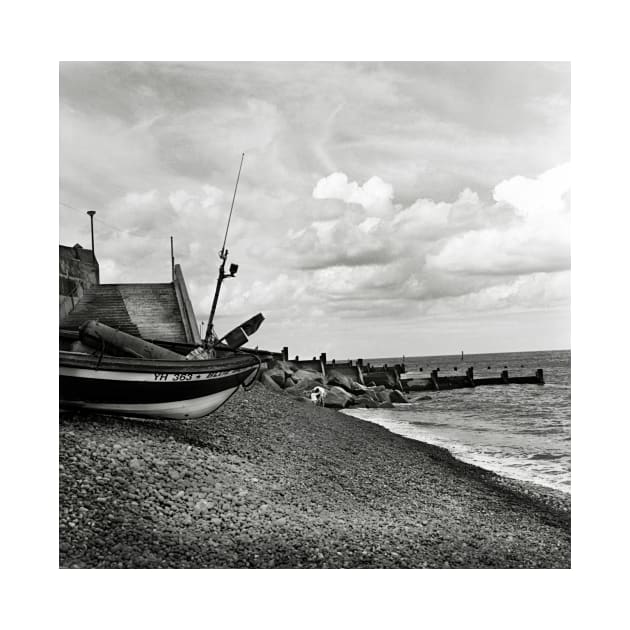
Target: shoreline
pixel 268 481
pixel 526 482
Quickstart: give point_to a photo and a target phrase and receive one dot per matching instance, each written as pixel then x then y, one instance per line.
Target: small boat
pixel 123 374
pixel 151 388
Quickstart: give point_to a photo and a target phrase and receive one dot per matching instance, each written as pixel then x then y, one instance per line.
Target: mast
pixel 223 254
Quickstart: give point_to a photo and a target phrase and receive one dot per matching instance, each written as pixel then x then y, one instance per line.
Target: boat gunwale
pixel 133 364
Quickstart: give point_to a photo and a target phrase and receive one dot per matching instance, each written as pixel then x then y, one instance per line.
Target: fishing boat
pixel 151 387
pixel 107 370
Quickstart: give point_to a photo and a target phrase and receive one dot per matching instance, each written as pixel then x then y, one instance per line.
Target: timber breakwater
pixel 357 384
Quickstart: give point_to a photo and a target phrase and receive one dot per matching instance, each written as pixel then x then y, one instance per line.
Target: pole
pixel 172 262
pixel 223 256
pixel 92 213
pixel 210 328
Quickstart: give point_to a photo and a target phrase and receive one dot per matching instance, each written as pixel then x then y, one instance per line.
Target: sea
pixel 519 431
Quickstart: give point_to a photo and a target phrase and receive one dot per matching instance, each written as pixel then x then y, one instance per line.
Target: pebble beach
pixel 269 481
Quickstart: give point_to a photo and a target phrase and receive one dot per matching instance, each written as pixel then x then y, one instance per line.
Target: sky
pixel 384 209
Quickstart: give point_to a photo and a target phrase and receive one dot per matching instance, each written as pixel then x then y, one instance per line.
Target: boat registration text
pixel 189 376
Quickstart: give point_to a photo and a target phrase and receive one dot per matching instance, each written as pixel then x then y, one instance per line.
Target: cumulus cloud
pixel 537 240
pixel 375 195
pixel 369 191
pixel 432 250
pixel 541 197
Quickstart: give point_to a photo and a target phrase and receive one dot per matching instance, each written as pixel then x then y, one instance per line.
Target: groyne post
pixel 285 353
pixel 434 380
pixel 469 376
pixel 539 376
pixel 505 377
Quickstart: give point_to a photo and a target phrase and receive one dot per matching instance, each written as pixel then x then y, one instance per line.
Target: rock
pixel 278 375
pixel 338 398
pixel 417 398
pixel 365 401
pixel 396 396
pixel 334 377
pixel 135 463
pixel 383 396
pixel 303 387
pixel 285 366
pixel 385 405
pixel 308 375
pixel 270 383
pixel 358 389
pixel 372 394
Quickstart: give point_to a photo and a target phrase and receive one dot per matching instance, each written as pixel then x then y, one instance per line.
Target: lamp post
pixel 92 213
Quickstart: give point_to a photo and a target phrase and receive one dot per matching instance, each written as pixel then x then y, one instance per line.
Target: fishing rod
pixel 223 254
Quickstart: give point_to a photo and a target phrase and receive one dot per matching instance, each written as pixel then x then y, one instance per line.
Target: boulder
pixel 383 396
pixel 338 398
pixel 269 382
pixel 308 375
pixel 334 377
pixel 285 366
pixel 385 405
pixel 303 387
pixel 372 394
pixel 417 398
pixel 396 396
pixel 358 389
pixel 278 375
pixel 365 401
pixel 377 388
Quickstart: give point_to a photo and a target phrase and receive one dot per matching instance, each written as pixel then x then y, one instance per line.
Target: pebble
pixel 345 494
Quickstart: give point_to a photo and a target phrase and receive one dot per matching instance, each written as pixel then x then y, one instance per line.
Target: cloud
pixel 372 191
pixel 374 195
pixel 438 250
pixel 537 240
pixel 537 197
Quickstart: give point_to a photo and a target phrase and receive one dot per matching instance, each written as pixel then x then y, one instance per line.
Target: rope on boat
pixel 247 387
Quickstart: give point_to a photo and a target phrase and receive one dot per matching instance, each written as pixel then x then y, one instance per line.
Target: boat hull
pixel 150 388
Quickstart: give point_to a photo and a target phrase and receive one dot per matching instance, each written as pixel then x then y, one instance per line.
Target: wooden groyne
pixel 398 377
pixel 436 382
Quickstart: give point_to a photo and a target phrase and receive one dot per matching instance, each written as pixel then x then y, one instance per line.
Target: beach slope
pixel 269 481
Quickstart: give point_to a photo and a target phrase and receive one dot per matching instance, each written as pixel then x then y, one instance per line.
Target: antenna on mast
pixel 223 250
pixel 222 275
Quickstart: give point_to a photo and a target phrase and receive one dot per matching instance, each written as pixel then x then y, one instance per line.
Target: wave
pixel 546 456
